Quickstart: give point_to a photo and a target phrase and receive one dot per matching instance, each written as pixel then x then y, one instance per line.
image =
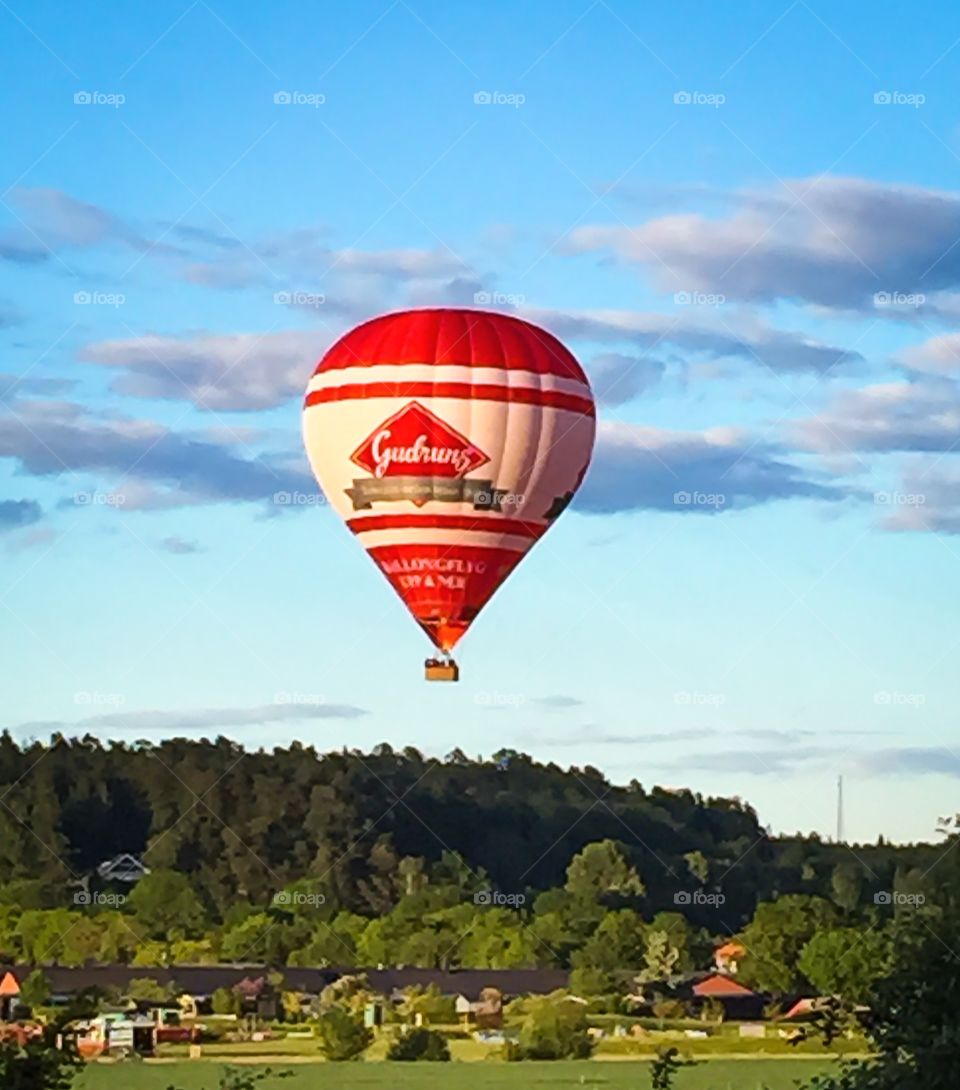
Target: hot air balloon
pixel 449 440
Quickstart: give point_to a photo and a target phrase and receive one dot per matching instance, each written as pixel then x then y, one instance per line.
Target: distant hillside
pixel 243 824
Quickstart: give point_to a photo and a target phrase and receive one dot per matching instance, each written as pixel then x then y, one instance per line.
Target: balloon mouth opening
pixel 444 633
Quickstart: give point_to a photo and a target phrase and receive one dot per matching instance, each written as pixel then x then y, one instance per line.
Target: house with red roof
pixel 739 1002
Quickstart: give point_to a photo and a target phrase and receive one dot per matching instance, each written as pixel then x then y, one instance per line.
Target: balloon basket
pixel 441 670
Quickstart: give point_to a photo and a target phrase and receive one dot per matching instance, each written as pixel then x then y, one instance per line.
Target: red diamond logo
pixel 416 443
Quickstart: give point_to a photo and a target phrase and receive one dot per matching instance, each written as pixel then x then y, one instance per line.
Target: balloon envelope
pixel 448 440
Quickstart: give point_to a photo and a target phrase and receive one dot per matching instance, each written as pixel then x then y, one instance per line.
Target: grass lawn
pixel 746 1074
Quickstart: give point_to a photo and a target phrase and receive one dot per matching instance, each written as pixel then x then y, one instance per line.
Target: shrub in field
pixel 342 1035
pixel 420 1044
pixel 555 1028
pixel 226 1001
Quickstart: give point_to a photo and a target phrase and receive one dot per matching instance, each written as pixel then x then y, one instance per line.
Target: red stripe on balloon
pixel 481 523
pixel 524 395
pixel 453 335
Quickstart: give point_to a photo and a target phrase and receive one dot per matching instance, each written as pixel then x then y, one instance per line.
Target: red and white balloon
pixel 449 440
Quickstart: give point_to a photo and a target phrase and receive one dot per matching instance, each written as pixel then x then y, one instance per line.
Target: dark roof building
pixel 204 980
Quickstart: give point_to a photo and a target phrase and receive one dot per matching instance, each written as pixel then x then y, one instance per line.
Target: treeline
pixel 387 857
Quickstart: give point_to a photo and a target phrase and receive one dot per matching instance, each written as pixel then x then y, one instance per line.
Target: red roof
pixel 720 987
pixel 9 986
pixel 730 949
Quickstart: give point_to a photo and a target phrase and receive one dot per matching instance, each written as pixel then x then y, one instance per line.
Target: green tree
pixel 255 939
pixel 775 937
pixel 166 905
pixel 617 943
pixel 342 1035
pixel 846 885
pixel 35 990
pixel 146 989
pixel 699 866
pixel 601 872
pixel 846 962
pixel 914 1020
pixel 498 940
pixel 37 1065
pixel 226 1001
pixel 690 942
pixel 660 958
pixel 593 982
pixel 82 942
pixel 351 993
pixel 333 943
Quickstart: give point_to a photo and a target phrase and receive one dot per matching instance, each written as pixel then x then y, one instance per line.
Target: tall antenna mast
pixel 840 809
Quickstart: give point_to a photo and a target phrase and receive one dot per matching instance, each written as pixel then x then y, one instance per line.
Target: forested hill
pixel 244 825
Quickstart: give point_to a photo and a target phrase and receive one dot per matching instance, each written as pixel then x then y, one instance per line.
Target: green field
pixel 747 1074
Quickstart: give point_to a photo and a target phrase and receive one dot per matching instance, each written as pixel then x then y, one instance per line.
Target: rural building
pixel 124 868
pixel 197 983
pixel 738 1001
pixel 486 1012
pixel 727 958
pixel 9 996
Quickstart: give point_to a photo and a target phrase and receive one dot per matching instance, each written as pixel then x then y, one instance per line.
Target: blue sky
pixel 746 223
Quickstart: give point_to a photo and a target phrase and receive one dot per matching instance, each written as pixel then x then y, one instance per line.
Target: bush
pixel 342 1035
pixel 420 1044
pixel 37 1065
pixel 670 1009
pixel 226 1001
pixel 555 1028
